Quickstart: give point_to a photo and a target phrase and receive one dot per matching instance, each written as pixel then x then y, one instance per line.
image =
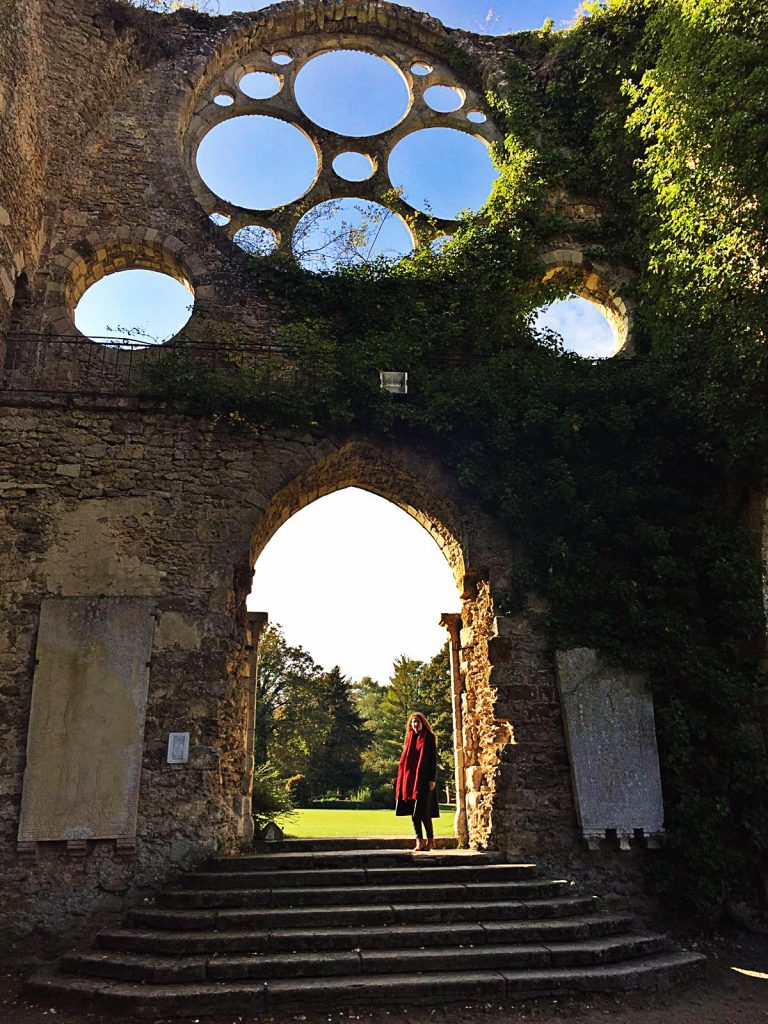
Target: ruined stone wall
pixel 123 502
pixel 114 503
pixel 103 501
pixel 62 64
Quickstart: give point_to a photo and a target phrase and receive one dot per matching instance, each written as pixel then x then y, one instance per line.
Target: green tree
pixel 436 695
pixel 414 686
pixel 336 765
pixel 286 676
pixel 368 695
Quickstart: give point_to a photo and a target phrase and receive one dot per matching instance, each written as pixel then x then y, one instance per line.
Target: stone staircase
pixel 349 923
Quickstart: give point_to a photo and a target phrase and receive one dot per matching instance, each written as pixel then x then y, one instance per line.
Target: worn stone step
pixel 335 877
pixel 656 971
pixel 268 862
pixel 320 844
pixel 201 998
pixel 283 940
pixel 158 969
pixel 569 929
pixel 357 895
pixel 217 916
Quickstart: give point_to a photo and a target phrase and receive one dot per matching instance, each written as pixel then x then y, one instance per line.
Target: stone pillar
pixel 452 622
pixel 256 623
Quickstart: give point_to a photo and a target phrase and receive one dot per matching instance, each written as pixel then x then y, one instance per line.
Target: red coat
pixel 417 768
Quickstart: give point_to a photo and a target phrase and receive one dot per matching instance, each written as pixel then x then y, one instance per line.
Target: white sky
pixel 356 581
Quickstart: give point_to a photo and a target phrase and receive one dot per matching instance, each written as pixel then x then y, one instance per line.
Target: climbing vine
pixel 625 480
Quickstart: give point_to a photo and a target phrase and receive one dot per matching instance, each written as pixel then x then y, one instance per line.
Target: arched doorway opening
pixel 475 553
pixel 358 598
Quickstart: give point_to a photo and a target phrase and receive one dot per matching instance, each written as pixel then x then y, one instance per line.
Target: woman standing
pixel 415 789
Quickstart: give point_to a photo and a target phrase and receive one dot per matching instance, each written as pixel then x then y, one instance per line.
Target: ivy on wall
pixel 625 480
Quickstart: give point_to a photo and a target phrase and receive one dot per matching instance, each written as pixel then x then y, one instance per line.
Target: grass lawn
pixel 313 823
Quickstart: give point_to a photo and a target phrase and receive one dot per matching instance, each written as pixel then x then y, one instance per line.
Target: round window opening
pixel 442 171
pixel 353 166
pixel 352 93
pixel 374 130
pixel 257 162
pixel 134 306
pixel 443 98
pixel 255 240
pixel 260 85
pixel 581 326
pixel 349 232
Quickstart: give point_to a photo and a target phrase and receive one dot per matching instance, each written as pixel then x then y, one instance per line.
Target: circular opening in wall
pixel 476 116
pixel 255 240
pixel 352 93
pixel 580 324
pixel 443 98
pixel 421 69
pixel 353 166
pixel 349 232
pixel 223 99
pixel 134 305
pixel 257 162
pixel 442 171
pixel 260 85
pixel 220 219
pixel 282 58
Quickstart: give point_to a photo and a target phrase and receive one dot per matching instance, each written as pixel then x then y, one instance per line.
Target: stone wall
pixel 62 66
pixel 126 503
pixel 102 500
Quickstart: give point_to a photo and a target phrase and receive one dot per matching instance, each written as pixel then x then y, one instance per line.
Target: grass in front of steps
pixel 310 823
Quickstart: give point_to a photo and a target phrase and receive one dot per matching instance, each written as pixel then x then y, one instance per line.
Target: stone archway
pixel 494 657
pixel 361 467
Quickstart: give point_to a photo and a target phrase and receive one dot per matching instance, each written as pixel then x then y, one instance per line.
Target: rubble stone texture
pixel 106 499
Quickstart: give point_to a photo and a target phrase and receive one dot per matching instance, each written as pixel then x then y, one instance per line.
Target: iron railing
pixel 54 364
pixel 77 367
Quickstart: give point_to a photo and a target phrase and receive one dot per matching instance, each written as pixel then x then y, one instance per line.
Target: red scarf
pixel 408 770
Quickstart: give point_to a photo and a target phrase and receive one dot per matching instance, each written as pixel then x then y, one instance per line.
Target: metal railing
pixel 109 367
pixel 77 367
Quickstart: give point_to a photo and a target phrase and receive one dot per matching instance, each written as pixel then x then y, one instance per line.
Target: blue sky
pixel 493 18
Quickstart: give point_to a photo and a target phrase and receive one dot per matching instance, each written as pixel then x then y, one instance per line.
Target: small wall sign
pixel 178 747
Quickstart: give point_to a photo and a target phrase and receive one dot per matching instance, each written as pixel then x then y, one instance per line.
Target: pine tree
pixel 336 766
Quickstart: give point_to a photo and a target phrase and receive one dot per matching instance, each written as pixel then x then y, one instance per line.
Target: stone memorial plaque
pixel 86 723
pixel 611 736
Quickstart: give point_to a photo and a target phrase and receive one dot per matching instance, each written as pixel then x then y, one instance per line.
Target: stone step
pixel 231 910
pixel 268 862
pixel 159 969
pixel 201 998
pixel 319 844
pixel 335 877
pixel 288 940
pixel 358 895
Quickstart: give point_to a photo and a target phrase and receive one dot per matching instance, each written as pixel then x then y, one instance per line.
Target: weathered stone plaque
pixel 86 724
pixel 611 738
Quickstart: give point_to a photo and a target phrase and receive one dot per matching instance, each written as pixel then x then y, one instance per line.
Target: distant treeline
pixel 326 736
